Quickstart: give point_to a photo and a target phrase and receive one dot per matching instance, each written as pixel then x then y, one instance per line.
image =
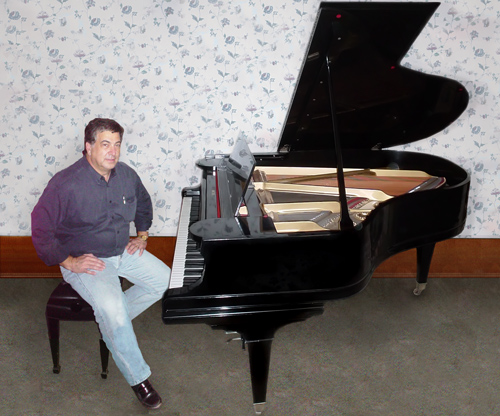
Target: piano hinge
pixel 285 149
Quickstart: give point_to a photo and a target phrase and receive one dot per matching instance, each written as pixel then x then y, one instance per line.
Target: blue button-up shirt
pixel 80 213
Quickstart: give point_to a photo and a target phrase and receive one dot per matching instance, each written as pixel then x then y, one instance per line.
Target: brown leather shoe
pixel 147 395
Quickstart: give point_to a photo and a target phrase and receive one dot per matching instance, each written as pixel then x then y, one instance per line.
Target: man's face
pixel 103 155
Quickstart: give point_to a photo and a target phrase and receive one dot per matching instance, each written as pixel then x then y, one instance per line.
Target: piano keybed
pixel 188 263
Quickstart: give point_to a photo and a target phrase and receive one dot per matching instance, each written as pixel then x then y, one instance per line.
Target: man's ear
pixel 88 147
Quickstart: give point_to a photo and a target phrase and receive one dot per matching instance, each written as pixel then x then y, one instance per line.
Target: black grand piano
pixel 266 239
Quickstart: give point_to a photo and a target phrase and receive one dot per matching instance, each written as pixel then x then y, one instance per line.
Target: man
pixel 81 222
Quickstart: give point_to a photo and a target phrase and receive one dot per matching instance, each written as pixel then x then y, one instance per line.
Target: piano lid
pixel 378 103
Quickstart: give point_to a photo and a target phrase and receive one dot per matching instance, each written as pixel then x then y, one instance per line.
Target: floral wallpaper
pixel 185 77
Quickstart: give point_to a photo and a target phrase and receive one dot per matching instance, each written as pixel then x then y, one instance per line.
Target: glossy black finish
pixel 256 280
pixel 378 102
pixel 328 265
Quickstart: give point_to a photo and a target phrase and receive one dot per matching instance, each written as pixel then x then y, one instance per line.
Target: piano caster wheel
pixel 56 369
pixel 104 375
pixel 419 289
pixel 259 408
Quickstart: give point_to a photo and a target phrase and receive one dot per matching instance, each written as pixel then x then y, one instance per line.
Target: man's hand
pixel 87 263
pixel 136 244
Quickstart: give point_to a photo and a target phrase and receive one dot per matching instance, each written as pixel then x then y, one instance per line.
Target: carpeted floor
pixel 383 352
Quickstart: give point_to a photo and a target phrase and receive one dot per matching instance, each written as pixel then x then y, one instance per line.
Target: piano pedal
pixel 240 338
pixel 233 339
pixel 419 289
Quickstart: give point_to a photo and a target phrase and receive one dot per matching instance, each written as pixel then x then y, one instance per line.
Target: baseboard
pixel 18 258
pixel 466 258
pixel 458 257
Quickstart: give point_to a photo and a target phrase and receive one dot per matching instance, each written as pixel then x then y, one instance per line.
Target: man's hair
pixel 98 125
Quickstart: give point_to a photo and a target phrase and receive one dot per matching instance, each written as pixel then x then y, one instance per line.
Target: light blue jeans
pixel 115 309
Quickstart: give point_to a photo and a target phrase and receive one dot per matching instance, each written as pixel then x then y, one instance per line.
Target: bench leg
pixel 104 358
pixel 53 329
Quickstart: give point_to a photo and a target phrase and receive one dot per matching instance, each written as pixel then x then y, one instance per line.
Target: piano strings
pixel 310 202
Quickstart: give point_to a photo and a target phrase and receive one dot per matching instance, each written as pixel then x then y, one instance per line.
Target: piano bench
pixel 65 304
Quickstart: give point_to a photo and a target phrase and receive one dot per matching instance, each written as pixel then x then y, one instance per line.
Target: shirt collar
pixel 96 176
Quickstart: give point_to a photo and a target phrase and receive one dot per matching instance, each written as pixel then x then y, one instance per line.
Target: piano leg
pixel 424 257
pixel 257 334
pixel 259 354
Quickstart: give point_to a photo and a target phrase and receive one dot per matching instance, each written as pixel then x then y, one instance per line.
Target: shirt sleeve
pixel 44 221
pixel 144 213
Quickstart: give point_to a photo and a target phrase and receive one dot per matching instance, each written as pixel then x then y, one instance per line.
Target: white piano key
pixel 177 273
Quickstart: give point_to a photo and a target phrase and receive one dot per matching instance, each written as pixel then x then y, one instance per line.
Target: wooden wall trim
pixel 454 258
pixel 459 257
pixel 18 258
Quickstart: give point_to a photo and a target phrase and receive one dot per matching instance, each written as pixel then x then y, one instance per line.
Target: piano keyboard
pixel 188 263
